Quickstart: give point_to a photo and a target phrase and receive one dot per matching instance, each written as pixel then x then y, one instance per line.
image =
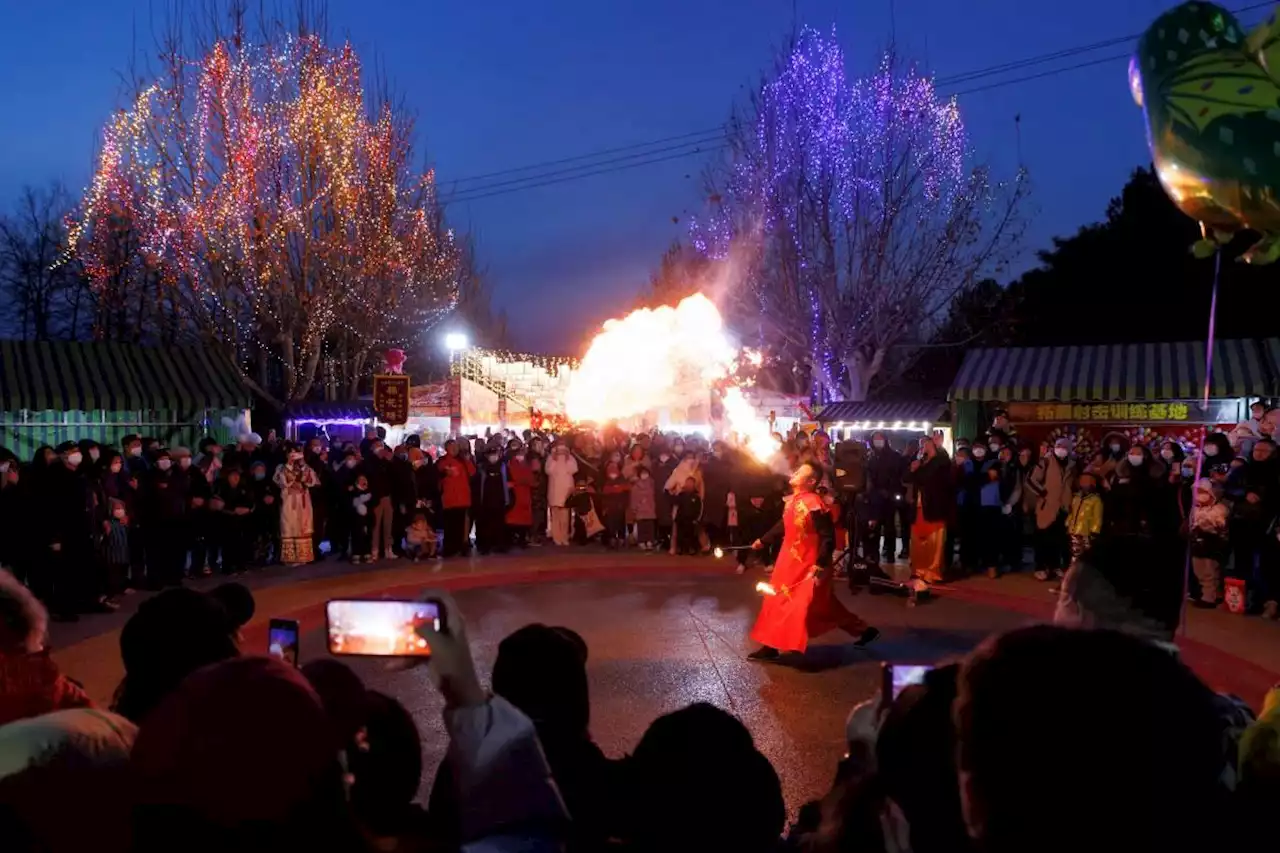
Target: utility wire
pixel 710 140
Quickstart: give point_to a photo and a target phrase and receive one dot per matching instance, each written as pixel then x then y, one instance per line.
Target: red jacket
pixel 455 482
pixel 520 481
pixel 31 685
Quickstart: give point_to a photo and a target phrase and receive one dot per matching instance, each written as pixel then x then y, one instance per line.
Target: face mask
pixel 979 452
pixel 418 463
pixel 74 459
pixel 115 467
pixel 184 462
pixel 995 447
pixel 352 462
pixel 613 476
pixel 259 475
pixel 163 464
pixel 877 443
pixel 1135 459
pixel 1115 448
pixel 519 457
pixel 492 457
pixel 1188 471
pixel 135 451
pixel 1210 450
pixel 679 448
pixel 94 453
pixel 663 457
pixel 644 475
pixel 1060 452
pixel 118 512
pixel 1166 454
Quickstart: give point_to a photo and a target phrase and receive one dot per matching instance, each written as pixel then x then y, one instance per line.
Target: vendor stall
pixel 56 391
pixel 1144 392
pixel 333 420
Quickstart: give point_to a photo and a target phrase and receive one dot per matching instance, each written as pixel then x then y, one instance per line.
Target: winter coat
pixel 615 496
pixel 643 500
pixel 688 507
pixel 31 685
pixel 1085 518
pixel 663 501
pixel 520 477
pixel 1052 484
pixel 560 468
pixel 716 477
pixel 491 489
pixel 455 482
pixel 935 481
pixel 1134 504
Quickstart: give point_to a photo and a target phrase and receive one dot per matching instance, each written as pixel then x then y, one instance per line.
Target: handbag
pixel 592 523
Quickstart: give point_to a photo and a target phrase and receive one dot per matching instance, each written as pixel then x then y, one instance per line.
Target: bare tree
pixel 681 272
pixel 855 214
pixel 271 203
pixel 44 300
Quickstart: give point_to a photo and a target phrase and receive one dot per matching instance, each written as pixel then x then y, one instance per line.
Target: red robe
pixel 520 479
pixel 802 607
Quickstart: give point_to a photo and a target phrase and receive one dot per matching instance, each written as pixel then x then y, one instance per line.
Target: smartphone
pixel 282 640
pixel 379 628
pixel 898 677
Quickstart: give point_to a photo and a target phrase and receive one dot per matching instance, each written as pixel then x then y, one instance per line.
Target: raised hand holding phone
pixel 451 667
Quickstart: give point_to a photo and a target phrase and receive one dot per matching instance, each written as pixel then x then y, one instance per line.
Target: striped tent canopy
pixel 74 376
pixel 323 410
pixel 886 411
pixel 1169 371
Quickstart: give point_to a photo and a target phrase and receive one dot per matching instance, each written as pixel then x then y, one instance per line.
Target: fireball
pixel 650 359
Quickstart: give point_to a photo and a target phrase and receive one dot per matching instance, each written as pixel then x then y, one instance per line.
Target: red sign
pixel 431 401
pixel 391 399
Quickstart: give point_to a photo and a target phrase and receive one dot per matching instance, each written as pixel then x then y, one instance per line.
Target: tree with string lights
pixel 855 216
pixel 256 195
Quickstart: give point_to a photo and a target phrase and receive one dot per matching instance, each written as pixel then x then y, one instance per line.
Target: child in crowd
pixel 644 508
pixel 1208 529
pixel 232 506
pixel 115 549
pixel 688 513
pixel 614 500
pixel 361 522
pixel 1084 521
pixel 419 538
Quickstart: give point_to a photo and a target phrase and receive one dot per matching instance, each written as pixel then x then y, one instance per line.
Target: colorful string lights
pixel 278 210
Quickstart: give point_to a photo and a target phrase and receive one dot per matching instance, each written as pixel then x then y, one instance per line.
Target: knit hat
pixel 1063 442
pixel 180 452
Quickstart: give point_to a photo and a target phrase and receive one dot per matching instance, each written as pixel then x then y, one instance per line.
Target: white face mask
pixel 115 468
pixel 1135 458
pixel 1210 450
pixel 163 464
pixel 878 443
pixel 1166 453
pixel 995 447
pixel 979 452
pixel 644 475
pixel 492 457
pixel 184 462
pixel 74 459
pixel 352 462
pixel 519 457
pixel 135 451
pixel 1060 452
pixel 663 457
pixel 418 463
pixel 118 512
pixel 94 453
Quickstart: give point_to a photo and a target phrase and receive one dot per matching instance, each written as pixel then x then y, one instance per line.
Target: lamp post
pixel 455 343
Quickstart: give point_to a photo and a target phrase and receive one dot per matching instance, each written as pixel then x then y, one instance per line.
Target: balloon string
pixel 1204 430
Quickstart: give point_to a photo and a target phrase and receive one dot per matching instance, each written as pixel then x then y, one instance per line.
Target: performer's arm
pixel 825 527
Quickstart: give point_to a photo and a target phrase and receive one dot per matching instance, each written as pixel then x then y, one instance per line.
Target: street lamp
pixel 455 341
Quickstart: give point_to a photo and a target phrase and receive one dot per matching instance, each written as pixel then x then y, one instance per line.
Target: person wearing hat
pixel 165 505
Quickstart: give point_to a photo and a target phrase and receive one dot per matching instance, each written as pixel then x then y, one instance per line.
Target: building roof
pixel 92 376
pixel 883 414
pixel 1162 371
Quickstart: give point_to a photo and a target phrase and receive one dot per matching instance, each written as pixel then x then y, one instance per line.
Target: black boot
pixel 764 653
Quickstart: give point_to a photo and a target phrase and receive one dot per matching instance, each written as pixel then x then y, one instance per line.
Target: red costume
pixel 802 605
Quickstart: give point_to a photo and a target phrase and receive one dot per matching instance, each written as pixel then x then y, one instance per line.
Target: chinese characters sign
pixel 1123 413
pixel 391 399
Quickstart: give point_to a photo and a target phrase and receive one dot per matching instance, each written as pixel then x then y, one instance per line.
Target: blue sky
pixel 501 84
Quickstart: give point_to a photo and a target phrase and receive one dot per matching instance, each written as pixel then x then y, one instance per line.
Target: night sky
pixel 500 84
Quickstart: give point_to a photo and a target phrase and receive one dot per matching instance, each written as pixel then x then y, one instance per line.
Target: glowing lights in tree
pixel 263 197
pixel 855 203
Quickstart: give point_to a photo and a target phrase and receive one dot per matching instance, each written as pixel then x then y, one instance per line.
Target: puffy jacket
pixel 455 482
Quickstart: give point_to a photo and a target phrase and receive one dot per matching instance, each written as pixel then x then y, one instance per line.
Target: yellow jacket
pixel 1085 518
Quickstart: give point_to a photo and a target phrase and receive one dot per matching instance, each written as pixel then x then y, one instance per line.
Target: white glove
pixel 1006 509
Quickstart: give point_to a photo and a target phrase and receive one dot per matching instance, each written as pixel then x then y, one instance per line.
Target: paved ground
pixel 664 632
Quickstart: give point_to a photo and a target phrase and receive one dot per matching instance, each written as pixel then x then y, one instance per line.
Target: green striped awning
pixel 1172 371
pixel 73 376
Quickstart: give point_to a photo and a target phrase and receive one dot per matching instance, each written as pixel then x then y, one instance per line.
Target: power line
pixel 699 142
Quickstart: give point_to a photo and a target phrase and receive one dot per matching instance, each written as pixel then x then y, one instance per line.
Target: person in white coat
pixel 560 468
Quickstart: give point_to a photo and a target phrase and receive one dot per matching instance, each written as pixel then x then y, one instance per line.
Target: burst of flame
pixel 765 588
pixel 649 359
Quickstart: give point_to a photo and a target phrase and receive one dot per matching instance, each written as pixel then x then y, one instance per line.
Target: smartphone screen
pixel 899 676
pixel 380 628
pixel 282 640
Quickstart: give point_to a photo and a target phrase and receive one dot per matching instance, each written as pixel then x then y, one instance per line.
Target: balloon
pixel 1211 95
